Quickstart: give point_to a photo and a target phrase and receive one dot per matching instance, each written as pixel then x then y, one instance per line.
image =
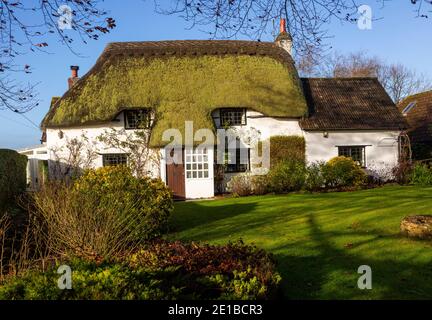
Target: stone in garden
pixel 417 226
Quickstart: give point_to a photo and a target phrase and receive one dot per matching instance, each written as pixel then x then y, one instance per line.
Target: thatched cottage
pixel 160 85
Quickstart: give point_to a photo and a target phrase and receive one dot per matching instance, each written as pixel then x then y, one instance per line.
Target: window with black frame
pixel 114 159
pixel 236 159
pixel 232 117
pixel 357 153
pixel 137 119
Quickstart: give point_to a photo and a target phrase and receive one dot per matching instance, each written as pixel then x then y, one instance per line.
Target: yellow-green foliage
pixel 284 148
pixel 342 172
pixel 182 88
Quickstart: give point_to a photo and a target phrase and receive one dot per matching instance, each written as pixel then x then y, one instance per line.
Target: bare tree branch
pixel 28 26
pixel 398 80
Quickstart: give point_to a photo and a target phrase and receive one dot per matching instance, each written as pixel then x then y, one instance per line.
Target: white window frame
pixel 197 163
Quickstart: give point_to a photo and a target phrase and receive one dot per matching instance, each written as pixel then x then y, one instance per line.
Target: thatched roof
pixel 419 117
pixel 182 80
pixel 349 104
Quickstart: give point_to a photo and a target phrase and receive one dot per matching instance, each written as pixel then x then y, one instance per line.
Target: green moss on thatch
pixel 180 89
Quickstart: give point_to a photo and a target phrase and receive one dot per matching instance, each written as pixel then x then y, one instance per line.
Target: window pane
pixel 233 116
pixel 137 119
pixel 197 164
pixel 356 153
pixel 114 159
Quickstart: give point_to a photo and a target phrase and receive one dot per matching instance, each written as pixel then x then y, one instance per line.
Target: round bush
pixel 148 200
pixel 287 176
pixel 342 172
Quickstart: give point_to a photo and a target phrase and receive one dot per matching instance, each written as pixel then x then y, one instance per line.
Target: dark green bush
pixel 286 176
pixel 162 270
pixel 286 148
pixel 421 175
pixel 341 172
pixel 13 175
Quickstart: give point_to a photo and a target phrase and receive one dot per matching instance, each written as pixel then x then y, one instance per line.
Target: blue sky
pixel 398 37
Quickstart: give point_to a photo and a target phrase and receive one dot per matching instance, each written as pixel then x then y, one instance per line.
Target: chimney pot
pixel 284 39
pixel 74 71
pixel 74 77
pixel 282 27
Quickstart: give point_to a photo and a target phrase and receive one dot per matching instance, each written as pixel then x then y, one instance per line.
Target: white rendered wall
pixel 58 138
pixel 382 148
pixel 268 126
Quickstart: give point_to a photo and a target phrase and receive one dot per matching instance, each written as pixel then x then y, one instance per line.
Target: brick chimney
pixel 284 39
pixel 74 76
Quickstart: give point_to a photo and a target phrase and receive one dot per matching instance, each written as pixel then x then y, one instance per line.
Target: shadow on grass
pixel 311 259
pixel 311 277
pixel 193 214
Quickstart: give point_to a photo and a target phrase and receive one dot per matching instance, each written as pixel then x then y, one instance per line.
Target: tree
pixel 398 80
pixel 28 26
pixel 401 82
pixel 306 19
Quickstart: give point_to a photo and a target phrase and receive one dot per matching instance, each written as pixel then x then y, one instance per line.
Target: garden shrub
pixel 13 176
pixel 315 180
pixel 240 185
pixel 104 212
pixel 246 184
pixel 260 184
pixel 149 200
pixel 283 148
pixel 161 270
pixel 402 172
pixel 286 176
pixel 340 172
pixel 421 175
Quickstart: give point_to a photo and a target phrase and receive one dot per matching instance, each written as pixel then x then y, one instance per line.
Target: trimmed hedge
pixel 13 175
pixel 283 148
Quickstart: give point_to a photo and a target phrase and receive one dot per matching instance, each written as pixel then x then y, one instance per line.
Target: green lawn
pixel 319 240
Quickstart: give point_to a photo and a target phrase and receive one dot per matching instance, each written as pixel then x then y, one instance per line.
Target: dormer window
pixel 233 117
pixel 137 119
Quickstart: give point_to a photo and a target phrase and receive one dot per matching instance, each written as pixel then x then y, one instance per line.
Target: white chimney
pixel 284 39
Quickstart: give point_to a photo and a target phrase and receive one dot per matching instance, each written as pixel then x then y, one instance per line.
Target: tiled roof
pixel 419 117
pixel 349 103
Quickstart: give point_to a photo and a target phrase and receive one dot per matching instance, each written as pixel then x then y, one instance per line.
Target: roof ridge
pixel 415 95
pixel 339 78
